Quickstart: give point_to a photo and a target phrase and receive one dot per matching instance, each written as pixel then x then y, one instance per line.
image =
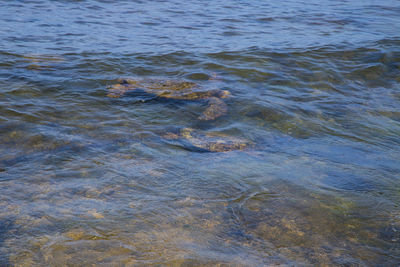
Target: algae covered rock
pixel 175 89
pixel 207 142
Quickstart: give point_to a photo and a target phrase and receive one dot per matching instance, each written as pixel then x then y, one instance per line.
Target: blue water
pixel 90 180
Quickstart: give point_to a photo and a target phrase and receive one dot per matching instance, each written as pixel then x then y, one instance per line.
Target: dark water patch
pixel 6 226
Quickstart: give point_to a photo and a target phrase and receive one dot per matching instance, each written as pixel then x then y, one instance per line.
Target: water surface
pixel 91 180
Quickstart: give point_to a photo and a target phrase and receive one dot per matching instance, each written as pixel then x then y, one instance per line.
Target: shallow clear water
pixel 90 180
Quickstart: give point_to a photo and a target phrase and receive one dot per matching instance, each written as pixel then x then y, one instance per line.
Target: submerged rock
pixel 208 142
pixel 40 62
pixel 179 90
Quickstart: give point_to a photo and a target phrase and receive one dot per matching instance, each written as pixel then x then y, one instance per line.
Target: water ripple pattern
pixel 140 180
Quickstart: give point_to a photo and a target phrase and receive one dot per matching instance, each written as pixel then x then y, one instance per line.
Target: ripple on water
pixel 89 180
